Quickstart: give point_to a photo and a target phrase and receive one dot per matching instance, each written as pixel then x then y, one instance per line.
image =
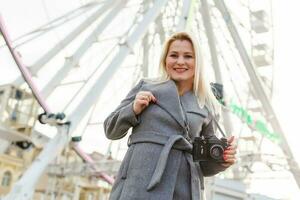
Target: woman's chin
pixel 176 78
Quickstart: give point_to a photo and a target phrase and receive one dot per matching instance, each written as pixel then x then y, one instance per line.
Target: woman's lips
pixel 180 70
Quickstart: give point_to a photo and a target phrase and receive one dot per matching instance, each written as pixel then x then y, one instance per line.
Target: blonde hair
pixel 201 87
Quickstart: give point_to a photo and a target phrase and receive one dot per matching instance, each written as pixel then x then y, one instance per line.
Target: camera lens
pixel 216 151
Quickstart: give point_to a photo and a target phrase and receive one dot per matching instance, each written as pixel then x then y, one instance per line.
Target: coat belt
pixel 176 142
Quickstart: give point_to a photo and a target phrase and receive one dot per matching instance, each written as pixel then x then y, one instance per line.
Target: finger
pixel 230 139
pixel 153 98
pixel 147 98
pixel 229 157
pixel 230 147
pixel 230 161
pixel 144 97
pixel 139 96
pixel 150 95
pixel 145 93
pixel 226 158
pixel 230 152
pixel 144 102
pixel 226 164
pixel 142 94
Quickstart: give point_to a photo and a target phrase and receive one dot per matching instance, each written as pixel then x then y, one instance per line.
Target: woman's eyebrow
pixel 187 52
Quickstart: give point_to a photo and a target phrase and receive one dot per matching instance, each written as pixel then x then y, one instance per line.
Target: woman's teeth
pixel 180 69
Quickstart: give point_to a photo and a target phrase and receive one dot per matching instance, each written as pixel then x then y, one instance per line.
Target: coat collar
pixel 168 98
pixel 190 104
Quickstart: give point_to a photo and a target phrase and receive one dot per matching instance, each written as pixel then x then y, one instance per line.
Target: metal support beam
pixel 145 65
pixel 64 42
pixel 74 59
pixel 95 91
pixel 43 29
pixel 159 29
pixel 214 57
pixel 12 136
pixel 186 7
pixel 259 89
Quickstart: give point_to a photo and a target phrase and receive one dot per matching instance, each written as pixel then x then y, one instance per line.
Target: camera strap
pixel 218 126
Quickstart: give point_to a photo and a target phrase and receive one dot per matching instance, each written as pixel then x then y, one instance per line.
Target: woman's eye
pixel 189 56
pixel 173 55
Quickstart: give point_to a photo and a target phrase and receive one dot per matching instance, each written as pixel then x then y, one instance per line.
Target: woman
pixel 165 117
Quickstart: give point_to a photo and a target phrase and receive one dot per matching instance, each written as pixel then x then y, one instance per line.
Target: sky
pixel 286 79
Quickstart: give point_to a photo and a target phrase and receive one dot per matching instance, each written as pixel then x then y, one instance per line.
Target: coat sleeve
pixel 119 121
pixel 210 168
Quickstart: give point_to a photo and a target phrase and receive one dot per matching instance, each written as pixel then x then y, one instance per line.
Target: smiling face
pixel 180 63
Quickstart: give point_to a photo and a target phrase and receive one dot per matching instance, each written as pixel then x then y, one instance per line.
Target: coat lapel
pixel 191 105
pixel 167 98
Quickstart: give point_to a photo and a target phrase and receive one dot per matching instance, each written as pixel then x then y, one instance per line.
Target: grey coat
pixel 158 164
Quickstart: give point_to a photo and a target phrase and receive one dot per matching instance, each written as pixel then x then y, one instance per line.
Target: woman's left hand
pixel 229 153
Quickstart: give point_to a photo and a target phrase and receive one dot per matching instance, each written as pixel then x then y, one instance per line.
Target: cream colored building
pixel 52 186
pixel 68 178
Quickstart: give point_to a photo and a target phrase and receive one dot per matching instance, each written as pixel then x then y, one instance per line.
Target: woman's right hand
pixel 142 100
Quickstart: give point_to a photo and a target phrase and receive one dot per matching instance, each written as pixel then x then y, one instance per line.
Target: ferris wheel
pixel 77 67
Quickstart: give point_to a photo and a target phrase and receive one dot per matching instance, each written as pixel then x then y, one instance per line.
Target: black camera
pixel 209 149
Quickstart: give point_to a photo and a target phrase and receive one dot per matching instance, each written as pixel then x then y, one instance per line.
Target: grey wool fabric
pixel 158 164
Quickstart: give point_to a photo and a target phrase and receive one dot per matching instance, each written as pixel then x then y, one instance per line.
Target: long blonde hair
pixel 201 87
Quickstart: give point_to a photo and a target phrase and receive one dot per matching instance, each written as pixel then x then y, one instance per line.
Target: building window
pixel 6 180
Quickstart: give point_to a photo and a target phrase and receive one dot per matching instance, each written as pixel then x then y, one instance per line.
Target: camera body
pixel 209 149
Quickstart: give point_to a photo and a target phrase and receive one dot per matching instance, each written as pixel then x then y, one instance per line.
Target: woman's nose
pixel 180 60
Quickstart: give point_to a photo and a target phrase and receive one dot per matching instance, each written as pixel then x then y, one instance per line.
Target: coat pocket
pixel 126 162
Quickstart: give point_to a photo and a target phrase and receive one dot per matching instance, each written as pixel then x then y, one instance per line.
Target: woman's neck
pixel 183 87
